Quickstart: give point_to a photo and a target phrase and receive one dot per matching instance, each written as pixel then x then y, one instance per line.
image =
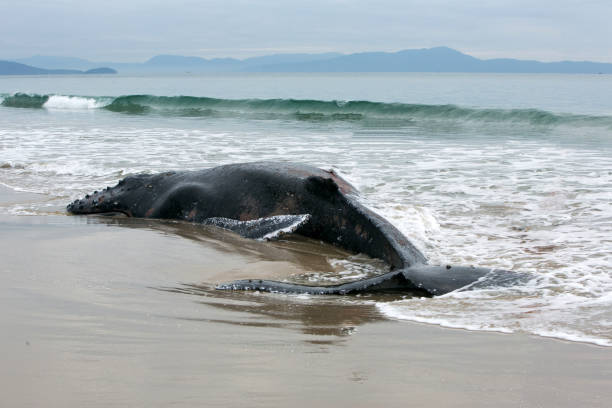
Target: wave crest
pixel 299 109
pixel 72 102
pixel 22 100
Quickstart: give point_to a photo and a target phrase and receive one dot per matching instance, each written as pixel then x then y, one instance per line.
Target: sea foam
pixel 72 102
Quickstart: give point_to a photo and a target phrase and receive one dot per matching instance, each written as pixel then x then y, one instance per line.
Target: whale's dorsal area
pixel 266 199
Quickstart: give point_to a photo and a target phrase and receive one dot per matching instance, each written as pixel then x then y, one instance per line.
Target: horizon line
pixel 339 54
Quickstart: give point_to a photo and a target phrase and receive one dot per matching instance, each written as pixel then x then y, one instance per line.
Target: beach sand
pixel 112 312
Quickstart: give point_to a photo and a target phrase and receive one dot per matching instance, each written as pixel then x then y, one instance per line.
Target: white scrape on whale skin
pixel 263 229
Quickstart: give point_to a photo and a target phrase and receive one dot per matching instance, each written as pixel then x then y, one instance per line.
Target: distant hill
pixel 175 63
pixel 51 62
pixel 438 59
pixel 101 70
pixel 15 68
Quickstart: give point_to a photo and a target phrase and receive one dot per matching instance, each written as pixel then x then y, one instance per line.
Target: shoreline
pixel 122 312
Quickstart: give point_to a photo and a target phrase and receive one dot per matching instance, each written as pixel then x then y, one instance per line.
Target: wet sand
pixel 105 312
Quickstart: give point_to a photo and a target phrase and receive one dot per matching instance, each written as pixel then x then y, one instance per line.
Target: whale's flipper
pixel 421 280
pixel 262 228
pixel 390 281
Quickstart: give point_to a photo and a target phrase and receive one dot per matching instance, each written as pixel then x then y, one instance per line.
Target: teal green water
pixel 393 113
pixel 509 171
pixel 581 94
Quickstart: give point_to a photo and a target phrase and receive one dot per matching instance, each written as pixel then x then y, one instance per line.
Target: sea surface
pixel 505 171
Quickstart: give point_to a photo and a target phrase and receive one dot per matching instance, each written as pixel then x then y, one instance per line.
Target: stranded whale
pixel 263 200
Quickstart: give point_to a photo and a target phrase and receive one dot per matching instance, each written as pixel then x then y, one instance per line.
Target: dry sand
pixel 104 312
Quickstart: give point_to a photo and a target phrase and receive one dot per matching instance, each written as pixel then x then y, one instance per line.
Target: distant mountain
pixel 197 64
pixel 52 62
pixel 15 68
pixel 101 70
pixel 179 60
pixel 288 58
pixel 438 59
pixel 178 63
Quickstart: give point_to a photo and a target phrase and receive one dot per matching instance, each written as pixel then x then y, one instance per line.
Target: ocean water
pixel 506 171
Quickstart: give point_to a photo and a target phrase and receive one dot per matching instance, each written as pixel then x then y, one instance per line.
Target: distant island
pixel 15 68
pixel 438 59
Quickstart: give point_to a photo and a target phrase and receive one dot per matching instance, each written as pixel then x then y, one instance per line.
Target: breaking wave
pixel 297 109
pixel 22 100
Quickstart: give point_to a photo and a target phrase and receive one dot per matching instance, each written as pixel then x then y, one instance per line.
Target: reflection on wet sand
pixel 313 315
pixel 303 253
pixel 294 255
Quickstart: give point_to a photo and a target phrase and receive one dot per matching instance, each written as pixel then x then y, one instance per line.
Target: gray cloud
pixel 135 30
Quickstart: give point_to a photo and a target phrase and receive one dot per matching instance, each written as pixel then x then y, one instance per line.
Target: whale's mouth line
pixel 92 211
pixel 115 213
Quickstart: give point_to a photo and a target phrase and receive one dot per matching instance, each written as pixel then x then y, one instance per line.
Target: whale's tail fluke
pixel 420 280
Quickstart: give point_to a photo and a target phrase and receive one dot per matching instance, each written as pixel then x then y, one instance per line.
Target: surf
pixel 310 110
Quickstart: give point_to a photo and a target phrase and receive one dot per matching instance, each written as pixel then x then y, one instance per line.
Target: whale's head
pixel 118 199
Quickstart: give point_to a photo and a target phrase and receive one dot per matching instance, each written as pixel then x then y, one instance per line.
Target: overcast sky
pixel 135 30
